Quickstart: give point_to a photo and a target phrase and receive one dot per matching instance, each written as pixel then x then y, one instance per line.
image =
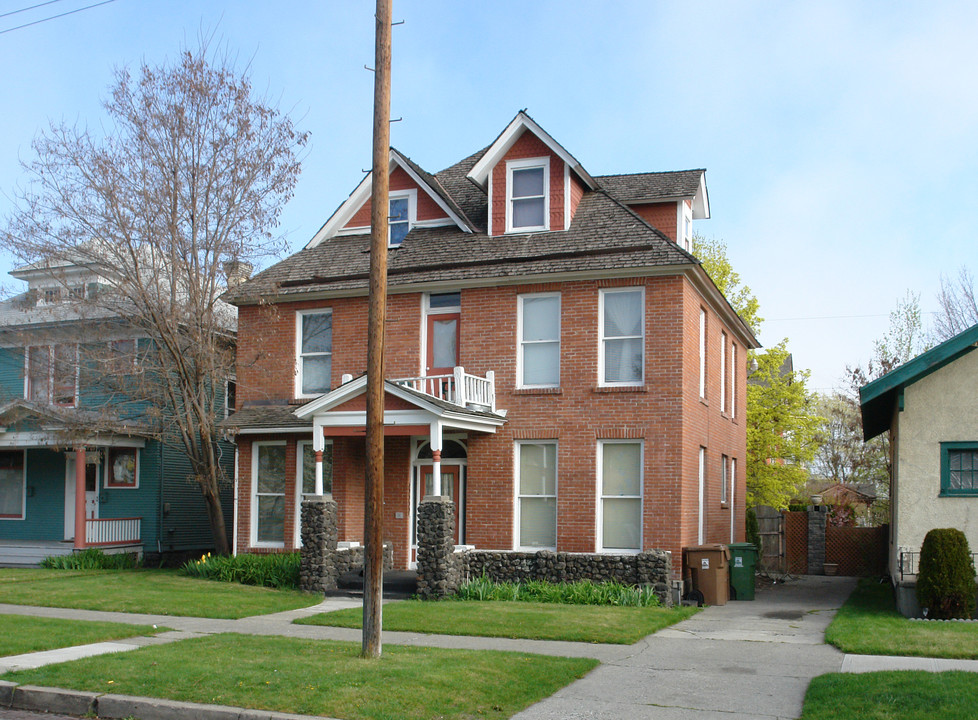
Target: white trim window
pixel 314 351
pixel 701 492
pixel 620 464
pixel 622 320
pixel 268 494
pixel 13 485
pixel 733 380
pixel 528 195
pixel 724 479
pixel 686 226
pixel 52 374
pixel 538 327
pixel 402 216
pixel 733 494
pixel 723 372
pixel 536 499
pixel 305 477
pixel 702 354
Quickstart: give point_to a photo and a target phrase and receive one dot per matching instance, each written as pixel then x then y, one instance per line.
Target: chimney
pixel 237 272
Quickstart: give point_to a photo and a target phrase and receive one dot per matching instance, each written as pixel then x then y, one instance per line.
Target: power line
pixel 32 7
pixel 54 17
pixel 840 317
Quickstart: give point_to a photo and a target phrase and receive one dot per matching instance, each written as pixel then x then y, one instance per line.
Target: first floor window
pixel 315 352
pixel 307 468
pixel 622 336
pixel 121 468
pixel 724 478
pixel 537 494
pixel 268 467
pixel 959 468
pixel 12 481
pixel 620 465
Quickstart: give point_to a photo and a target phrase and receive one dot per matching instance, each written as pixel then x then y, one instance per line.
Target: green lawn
pixel 157 592
pixel 322 678
pixel 534 621
pixel 892 696
pixel 868 624
pixel 22 634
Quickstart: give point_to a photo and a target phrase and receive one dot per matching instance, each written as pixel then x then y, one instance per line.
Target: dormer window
pixel 686 227
pixel 528 195
pixel 402 216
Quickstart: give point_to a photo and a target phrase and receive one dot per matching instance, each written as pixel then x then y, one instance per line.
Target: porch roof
pixel 49 426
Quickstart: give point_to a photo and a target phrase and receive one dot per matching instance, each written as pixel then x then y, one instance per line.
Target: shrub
pixel 753 529
pixel 91 559
pixel 584 592
pixel 276 570
pixel 946 578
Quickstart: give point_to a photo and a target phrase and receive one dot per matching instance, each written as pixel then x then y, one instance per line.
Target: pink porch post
pixel 80 498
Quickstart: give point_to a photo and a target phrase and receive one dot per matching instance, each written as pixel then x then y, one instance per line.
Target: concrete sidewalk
pixel 737 661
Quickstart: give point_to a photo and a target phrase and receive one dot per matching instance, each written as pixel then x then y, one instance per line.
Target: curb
pixel 78 702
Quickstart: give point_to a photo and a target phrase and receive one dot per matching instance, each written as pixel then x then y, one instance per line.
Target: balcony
pixel 460 388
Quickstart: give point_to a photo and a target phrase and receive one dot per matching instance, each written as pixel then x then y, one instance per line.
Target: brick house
pixel 555 356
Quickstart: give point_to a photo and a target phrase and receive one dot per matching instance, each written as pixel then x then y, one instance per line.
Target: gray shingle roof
pixel 650 187
pixel 265 416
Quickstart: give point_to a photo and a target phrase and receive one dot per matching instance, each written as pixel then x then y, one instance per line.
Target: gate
pixel 770 529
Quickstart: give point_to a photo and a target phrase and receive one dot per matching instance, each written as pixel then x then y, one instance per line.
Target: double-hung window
pixel 527 195
pixel 622 318
pixel 723 372
pixel 315 351
pixel 702 354
pixel 121 468
pixel 12 485
pixel 402 215
pixel 536 463
pixel 539 332
pixel 724 479
pixel 959 468
pixel 52 374
pixel 268 500
pixel 620 516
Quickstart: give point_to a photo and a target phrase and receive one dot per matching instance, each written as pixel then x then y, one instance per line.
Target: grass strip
pixel 156 592
pixel 895 695
pixel 532 621
pixel 869 624
pixel 315 677
pixel 24 634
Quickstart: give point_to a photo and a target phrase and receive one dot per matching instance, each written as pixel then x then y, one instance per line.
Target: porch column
pixel 318 444
pixel 80 498
pixel 435 437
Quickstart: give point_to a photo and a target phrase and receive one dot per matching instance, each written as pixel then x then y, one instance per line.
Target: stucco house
pixel 927 405
pixel 557 362
pixel 81 462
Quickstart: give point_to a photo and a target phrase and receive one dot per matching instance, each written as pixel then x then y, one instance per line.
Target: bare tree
pixel 959 309
pixel 179 192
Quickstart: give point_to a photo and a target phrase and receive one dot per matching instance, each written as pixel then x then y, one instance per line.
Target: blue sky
pixel 838 137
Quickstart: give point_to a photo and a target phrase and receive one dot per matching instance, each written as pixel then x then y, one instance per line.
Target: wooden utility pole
pixel 373 566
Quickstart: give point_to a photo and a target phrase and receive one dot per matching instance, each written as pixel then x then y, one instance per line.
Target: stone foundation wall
pixel 351 559
pixel 648 568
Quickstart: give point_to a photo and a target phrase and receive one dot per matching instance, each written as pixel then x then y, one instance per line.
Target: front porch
pixel 109 536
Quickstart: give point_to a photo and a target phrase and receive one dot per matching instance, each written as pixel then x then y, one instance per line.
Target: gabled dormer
pixel 416 200
pixel 532 183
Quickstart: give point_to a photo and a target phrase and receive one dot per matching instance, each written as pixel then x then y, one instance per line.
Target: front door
pixel 451 485
pixel 91 491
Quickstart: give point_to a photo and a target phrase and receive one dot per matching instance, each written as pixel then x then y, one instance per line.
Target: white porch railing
pixel 115 531
pixel 459 388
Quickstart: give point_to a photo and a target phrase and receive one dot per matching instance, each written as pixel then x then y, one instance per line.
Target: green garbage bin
pixel 743 560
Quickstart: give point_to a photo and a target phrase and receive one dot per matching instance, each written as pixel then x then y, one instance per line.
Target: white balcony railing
pixel 459 388
pixel 115 531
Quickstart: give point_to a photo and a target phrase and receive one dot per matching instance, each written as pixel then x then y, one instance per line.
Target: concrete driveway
pixel 737 661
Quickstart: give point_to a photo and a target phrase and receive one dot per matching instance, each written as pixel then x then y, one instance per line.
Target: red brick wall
pixel 666 413
pixel 661 216
pixel 428 209
pixel 527 146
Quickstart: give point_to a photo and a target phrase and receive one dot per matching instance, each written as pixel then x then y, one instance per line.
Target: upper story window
pixel 622 317
pixel 959 468
pixel 403 215
pixel 702 353
pixel 723 372
pixel 528 195
pixel 442 351
pixel 733 380
pixel 52 374
pixel 539 333
pixel 686 227
pixel 314 351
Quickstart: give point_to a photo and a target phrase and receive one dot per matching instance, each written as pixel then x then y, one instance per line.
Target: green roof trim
pixel 879 398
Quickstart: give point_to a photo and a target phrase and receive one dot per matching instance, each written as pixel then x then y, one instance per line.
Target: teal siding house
pixel 81 464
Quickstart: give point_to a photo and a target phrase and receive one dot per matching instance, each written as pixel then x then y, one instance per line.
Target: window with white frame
pixel 620 517
pixel 723 371
pixel 686 230
pixel 536 501
pixel 268 500
pixel 402 215
pixel 122 468
pixel 539 332
pixel 306 469
pixel 701 516
pixel 622 319
pixel 527 195
pixel 702 353
pixel 733 380
pixel 52 374
pixel 724 479
pixel 13 485
pixel 314 351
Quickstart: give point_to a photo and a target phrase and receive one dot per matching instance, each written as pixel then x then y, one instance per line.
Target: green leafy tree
pixel 712 254
pixel 782 429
